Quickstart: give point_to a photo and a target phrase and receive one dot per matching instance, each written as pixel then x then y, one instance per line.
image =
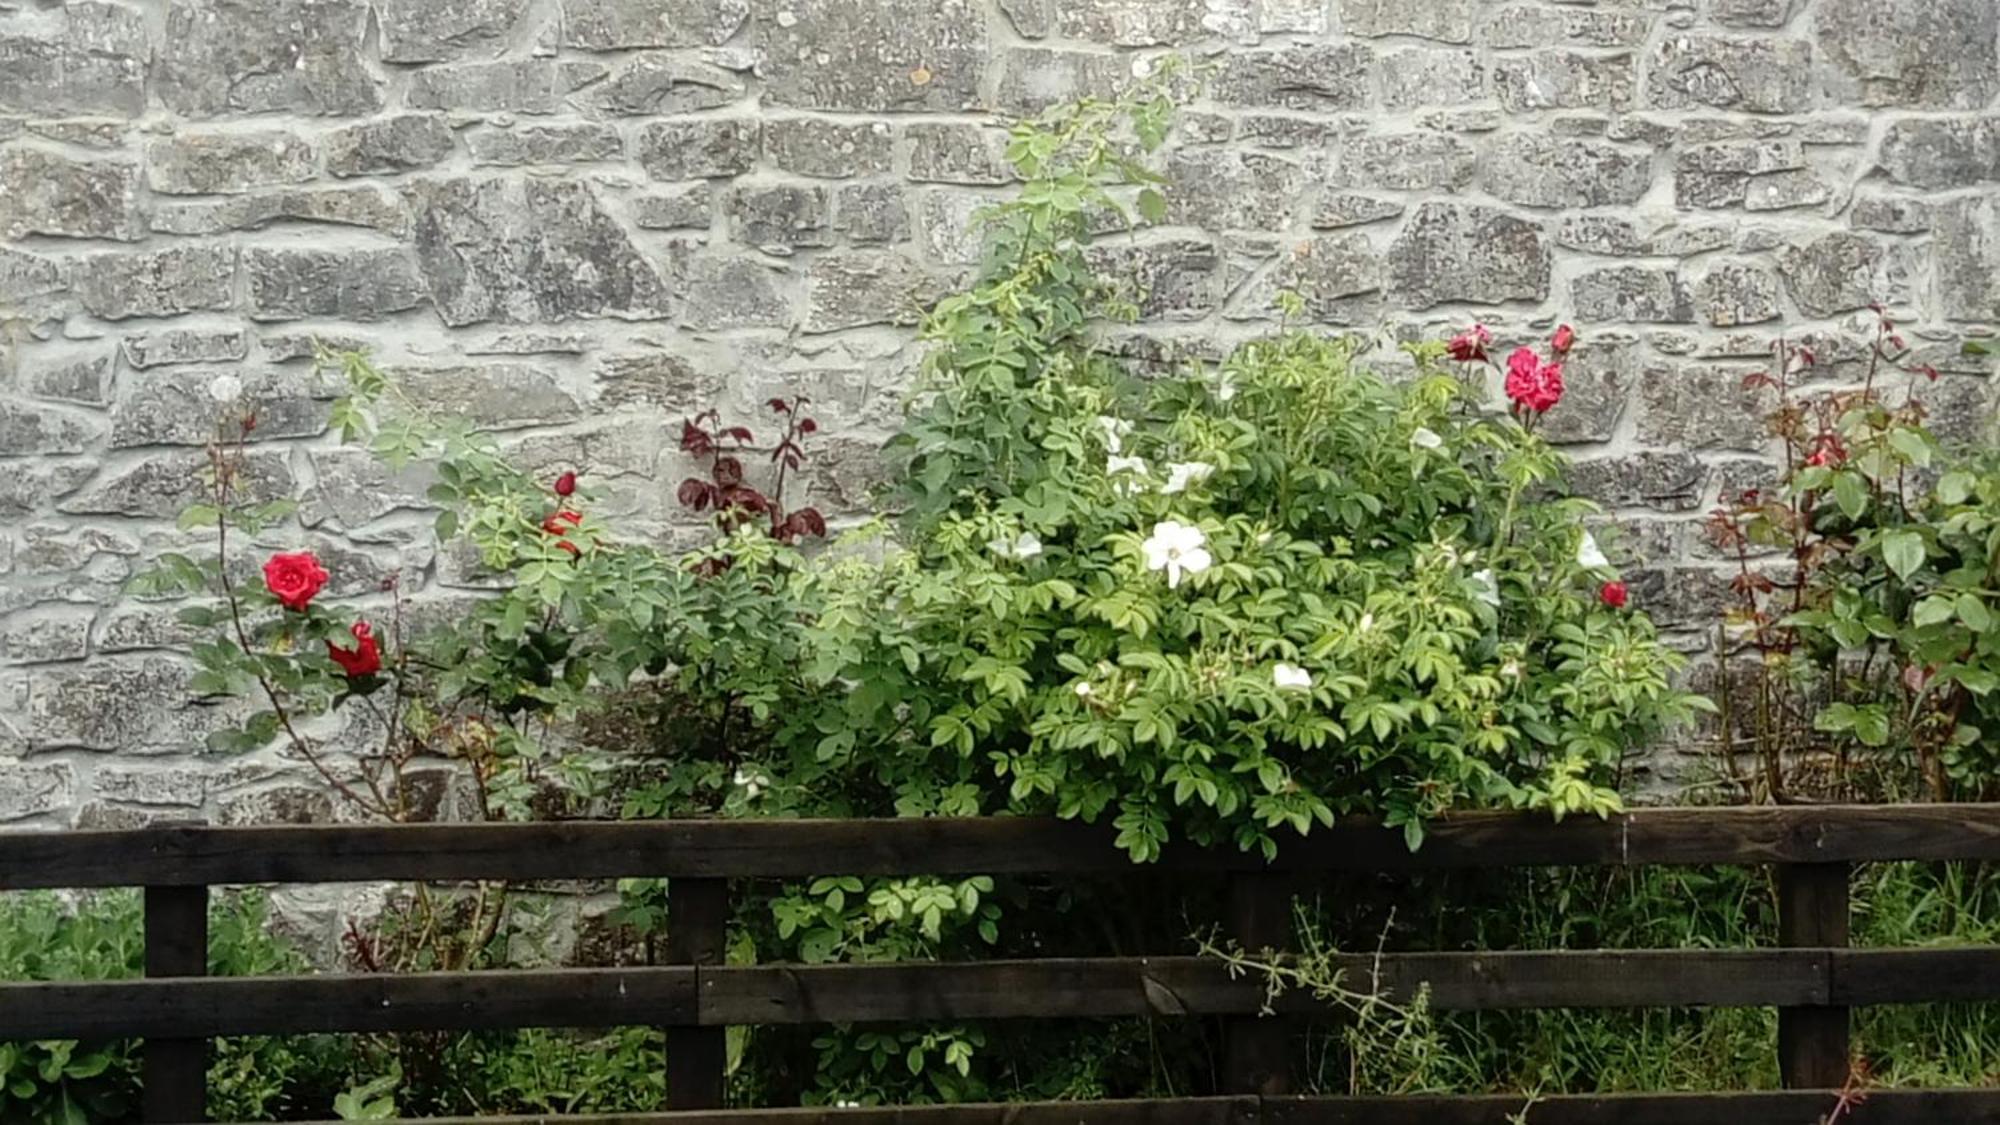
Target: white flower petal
pixel 1027 546
pixel 1588 556
pixel 1181 474
pixel 225 389
pixel 1115 431
pixel 1486 588
pixel 1426 438
pixel 1291 677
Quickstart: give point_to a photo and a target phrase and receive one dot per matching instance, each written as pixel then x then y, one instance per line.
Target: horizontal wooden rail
pixel 195 856
pixel 1790 1107
pixel 724 995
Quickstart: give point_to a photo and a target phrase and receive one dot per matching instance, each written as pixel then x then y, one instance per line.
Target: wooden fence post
pixel 697 932
pixel 175 1071
pixel 1257 1049
pixel 1813 1050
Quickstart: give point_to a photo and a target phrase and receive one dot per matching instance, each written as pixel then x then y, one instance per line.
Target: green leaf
pixel 1850 491
pixel 1955 486
pixel 1912 445
pixel 1904 552
pixel 1972 610
pixel 1152 205
pixel 1932 611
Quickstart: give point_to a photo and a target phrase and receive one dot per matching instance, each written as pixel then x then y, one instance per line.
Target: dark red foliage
pixel 726 490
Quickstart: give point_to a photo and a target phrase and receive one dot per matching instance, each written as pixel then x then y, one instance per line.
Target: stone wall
pixel 576 220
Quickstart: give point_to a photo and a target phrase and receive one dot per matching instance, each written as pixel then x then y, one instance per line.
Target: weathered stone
pixel 534 86
pixel 1032 19
pixel 173 786
pixel 655 83
pixel 1285 130
pixel 1563 80
pixel 84 380
pixel 156 282
pixel 958 153
pixel 1448 20
pixel 1327 271
pixel 24 275
pixel 285 804
pixel 387 145
pixel 528 252
pixel 495 395
pixel 616 25
pixel 28 428
pixel 45 193
pixel 1602 234
pixel 292 282
pixel 45 635
pixel 286 347
pixel 226 163
pixel 1719 174
pixel 1420 161
pixel 1132 23
pixel 1670 481
pixel 1754 13
pixel 353 488
pixel 35 789
pixel 1632 293
pixel 872 55
pixel 657 380
pixel 1520 26
pixel 1840 272
pixel 1171 277
pixel 264 56
pixel 1968 257
pixel 1890 214
pixel 29 486
pixel 82 58
pixel 357 205
pixel 1536 170
pixel 175 408
pixel 1463 252
pixel 1942 54
pixel 1737 293
pixel 949 227
pixel 1345 209
pixel 1745 75
pixel 1431 77
pixel 1701 408
pixel 737 291
pixel 780 216
pixel 416 31
pixel 698 148
pixel 1942 152
pixel 830 149
pixel 674 207
pixel 1597 377
pixel 871 213
pixel 1225 189
pixel 1320 78
pixel 112 705
pixel 1778 191
pixel 545 144
pixel 1032 79
pixel 853 288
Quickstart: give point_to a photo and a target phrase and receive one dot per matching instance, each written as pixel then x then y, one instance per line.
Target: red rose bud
pixel 559 525
pixel 294 579
pixel 364 659
pixel 1614 594
pixel 1565 337
pixel 1818 460
pixel 566 484
pixel 1469 346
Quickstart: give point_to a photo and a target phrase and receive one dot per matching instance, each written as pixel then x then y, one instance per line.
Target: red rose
pixel 1469 346
pixel 364 659
pixel 566 484
pixel 1533 385
pixel 294 578
pixel 1565 337
pixel 559 525
pixel 1614 594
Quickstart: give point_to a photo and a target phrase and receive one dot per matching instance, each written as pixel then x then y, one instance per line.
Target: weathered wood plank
pixel 1791 1107
pixel 206 1007
pixel 174 1072
pixel 697 934
pixel 1813 1051
pixel 1256 1049
pixel 725 848
pixel 1864 977
pixel 785 994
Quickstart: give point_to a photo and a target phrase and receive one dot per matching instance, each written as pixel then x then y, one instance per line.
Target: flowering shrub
pixel 1880 632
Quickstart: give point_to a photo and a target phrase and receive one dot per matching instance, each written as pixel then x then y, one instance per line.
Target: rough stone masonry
pixel 577 220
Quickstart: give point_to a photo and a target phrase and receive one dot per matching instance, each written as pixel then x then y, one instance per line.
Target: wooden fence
pixel 1813 981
